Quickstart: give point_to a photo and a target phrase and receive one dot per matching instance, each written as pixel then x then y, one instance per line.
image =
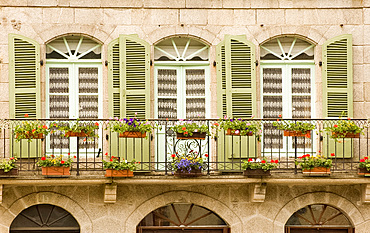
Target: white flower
pixel 237 131
pixel 125 161
pixel 195 130
pixel 258 160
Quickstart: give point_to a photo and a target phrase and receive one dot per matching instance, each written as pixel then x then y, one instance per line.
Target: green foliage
pixel 88 128
pixel 309 162
pixel 8 164
pixel 130 125
pixel 365 163
pixel 259 164
pixel 342 127
pixel 116 164
pixel 54 161
pixel 29 130
pixel 294 126
pixel 187 128
pixel 240 126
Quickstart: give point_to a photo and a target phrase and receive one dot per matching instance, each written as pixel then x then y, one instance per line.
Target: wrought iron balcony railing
pixel 222 153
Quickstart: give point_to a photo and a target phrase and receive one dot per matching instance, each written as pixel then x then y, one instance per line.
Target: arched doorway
pixel 44 218
pixel 181 218
pixel 319 218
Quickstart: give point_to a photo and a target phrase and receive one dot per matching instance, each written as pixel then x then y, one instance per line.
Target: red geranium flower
pixel 362 160
pixel 33 130
pixel 216 124
pixel 45 127
pixel 62 162
pixel 111 160
pixel 75 156
pixel 43 158
pixel 335 126
pixel 279 115
pixel 26 115
pixel 276 161
pixel 366 157
pixel 173 155
pixel 106 154
pixel 185 132
pixel 69 153
pixel 263 161
pixel 349 118
pixel 206 155
pixel 166 119
pixel 332 154
pixel 183 128
pixel 272 161
pixel 250 160
pixel 96 123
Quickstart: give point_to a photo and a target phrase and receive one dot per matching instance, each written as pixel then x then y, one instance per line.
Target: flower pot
pixel 75 134
pixel 256 173
pixel 288 133
pixel 132 134
pixel 13 172
pixel 363 171
pixel 230 132
pixel 317 171
pixel 196 135
pixel 30 135
pixel 345 135
pixel 56 171
pixel 185 173
pixel 118 173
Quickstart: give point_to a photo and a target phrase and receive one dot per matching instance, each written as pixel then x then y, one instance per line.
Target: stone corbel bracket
pixel 258 192
pixel 110 193
pixel 366 194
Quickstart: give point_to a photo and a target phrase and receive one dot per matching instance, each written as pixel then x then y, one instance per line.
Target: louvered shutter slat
pixel 24 76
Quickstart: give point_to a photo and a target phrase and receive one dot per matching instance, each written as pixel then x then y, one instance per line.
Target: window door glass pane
pixel 301 100
pixel 195 87
pixel 58 102
pixel 272 106
pixel 167 93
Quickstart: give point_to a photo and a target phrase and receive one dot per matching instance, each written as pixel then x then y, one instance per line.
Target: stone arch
pixel 335 200
pixel 163 199
pixel 309 34
pixel 165 32
pixel 51 198
pixel 182 35
pixel 96 33
pixel 77 34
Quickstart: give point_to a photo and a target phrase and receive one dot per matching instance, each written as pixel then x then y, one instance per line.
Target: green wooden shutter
pixel 236 93
pixel 337 88
pixel 114 78
pixel 134 76
pixel 129 92
pixel 337 77
pixel 24 93
pixel 24 77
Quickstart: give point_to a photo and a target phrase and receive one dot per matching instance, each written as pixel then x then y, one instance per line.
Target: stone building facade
pixel 101 204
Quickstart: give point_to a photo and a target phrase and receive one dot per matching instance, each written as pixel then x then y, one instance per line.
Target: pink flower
pixel 237 131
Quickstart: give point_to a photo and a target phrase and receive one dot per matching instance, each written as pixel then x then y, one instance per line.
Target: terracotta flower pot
pixel 345 135
pixel 56 171
pixel 30 135
pixel 185 173
pixel 132 134
pixel 317 171
pixel 230 132
pixel 75 134
pixel 288 133
pixel 256 173
pixel 118 173
pixel 13 172
pixel 363 172
pixel 196 135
